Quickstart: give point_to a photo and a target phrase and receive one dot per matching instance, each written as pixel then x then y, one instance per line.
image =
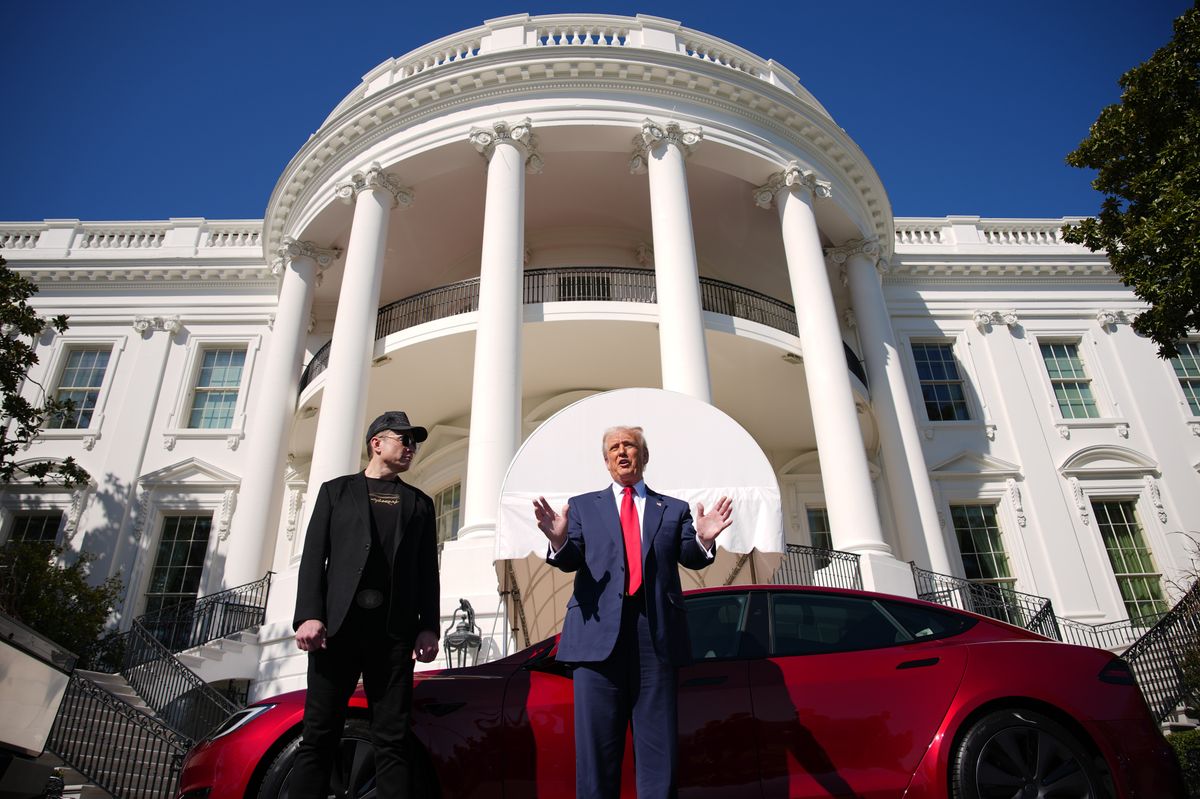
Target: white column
pixel 340 429
pixel 907 473
pixel 256 518
pixel 496 388
pixel 661 150
pixel 853 513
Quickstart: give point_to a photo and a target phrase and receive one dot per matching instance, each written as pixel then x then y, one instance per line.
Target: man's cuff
pixel 552 553
pixel 709 553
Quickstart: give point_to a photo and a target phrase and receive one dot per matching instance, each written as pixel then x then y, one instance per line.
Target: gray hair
pixel 638 436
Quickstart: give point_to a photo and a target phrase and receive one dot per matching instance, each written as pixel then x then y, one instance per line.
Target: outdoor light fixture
pixel 464 642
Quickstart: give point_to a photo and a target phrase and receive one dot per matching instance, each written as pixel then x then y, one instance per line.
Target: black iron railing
pixel 176 694
pixel 805 565
pixel 124 751
pixel 1109 635
pixel 197 621
pixel 994 600
pixel 579 284
pixel 1166 659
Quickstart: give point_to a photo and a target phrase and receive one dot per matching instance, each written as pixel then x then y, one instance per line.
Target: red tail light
pixel 1117 672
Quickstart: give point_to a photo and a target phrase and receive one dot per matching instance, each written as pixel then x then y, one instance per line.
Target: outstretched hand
pixel 710 525
pixel 552 523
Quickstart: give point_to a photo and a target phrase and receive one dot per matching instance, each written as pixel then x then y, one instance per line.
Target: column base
pixel 883 573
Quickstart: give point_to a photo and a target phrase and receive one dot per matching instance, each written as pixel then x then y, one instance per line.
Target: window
pixel 813 624
pixel 215 396
pixel 41 526
pixel 1187 369
pixel 180 561
pixel 447 506
pixel 715 625
pixel 80 383
pixel 979 542
pixel 1132 563
pixel 941 383
pixel 1072 387
pixel 818 528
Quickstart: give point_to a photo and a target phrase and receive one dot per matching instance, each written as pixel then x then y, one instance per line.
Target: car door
pixel 850 694
pixel 716 721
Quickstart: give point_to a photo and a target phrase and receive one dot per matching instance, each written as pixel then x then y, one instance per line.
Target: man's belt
pixel 369 598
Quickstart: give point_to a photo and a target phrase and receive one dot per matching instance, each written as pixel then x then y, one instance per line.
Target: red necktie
pixel 631 529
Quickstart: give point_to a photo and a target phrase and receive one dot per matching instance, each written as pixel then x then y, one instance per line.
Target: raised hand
pixel 709 525
pixel 552 524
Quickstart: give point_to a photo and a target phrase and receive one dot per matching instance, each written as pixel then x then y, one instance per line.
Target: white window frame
pixel 974 412
pixel 63 345
pixel 1185 408
pixel 1102 394
pixel 176 427
pixel 20 497
pixel 1138 483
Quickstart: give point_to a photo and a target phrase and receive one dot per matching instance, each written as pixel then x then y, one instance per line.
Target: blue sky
pixel 131 109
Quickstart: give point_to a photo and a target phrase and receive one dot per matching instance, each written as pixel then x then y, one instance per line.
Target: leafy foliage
pixel 55 600
pixel 1146 150
pixel 1187 749
pixel 20 326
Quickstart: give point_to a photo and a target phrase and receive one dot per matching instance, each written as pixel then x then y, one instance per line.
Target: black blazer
pixel 335 553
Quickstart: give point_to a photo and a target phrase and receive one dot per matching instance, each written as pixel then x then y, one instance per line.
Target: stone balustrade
pixel 973 231
pixel 174 238
pixel 576 30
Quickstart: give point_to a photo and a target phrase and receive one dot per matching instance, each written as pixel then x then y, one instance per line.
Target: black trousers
pixel 361 647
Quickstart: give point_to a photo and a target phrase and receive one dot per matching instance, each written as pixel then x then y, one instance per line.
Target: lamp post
pixel 462 639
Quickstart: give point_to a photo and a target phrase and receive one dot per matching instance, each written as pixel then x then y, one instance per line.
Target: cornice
pixel 106 274
pixel 478 81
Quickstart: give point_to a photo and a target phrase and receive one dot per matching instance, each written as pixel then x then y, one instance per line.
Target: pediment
pixel 972 464
pixel 1108 461
pixel 192 471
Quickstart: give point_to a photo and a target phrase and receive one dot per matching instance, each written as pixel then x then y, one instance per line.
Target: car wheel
pixel 353 774
pixel 1020 753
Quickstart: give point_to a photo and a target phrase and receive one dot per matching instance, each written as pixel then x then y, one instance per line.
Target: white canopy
pixel 697 453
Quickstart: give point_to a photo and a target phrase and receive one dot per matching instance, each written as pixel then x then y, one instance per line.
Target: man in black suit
pixel 626 624
pixel 366 604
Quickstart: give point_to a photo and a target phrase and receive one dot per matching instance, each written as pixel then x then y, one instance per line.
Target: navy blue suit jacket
pixel 595 552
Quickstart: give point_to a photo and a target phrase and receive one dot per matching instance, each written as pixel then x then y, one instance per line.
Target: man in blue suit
pixel 626 624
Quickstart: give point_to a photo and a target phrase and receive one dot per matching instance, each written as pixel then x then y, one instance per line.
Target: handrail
pixel 806 565
pixel 114 745
pixel 579 284
pixel 1166 659
pixel 993 600
pixel 1108 635
pixel 194 622
pixel 175 693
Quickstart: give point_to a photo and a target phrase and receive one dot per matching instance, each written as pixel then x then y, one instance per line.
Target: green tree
pixel 55 600
pixel 20 327
pixel 1146 151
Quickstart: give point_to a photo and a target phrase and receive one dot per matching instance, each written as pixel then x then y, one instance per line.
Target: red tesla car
pixel 795 692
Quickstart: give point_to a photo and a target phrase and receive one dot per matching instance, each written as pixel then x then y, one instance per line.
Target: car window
pixel 715 625
pixel 810 624
pixel 927 623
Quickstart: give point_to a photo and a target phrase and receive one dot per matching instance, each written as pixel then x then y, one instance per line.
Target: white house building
pixel 541 209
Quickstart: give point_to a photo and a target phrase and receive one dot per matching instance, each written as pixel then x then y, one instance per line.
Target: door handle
pixel 918 664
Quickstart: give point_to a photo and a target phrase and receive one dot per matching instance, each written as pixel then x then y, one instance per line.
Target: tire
pixel 1022 753
pixel 353 771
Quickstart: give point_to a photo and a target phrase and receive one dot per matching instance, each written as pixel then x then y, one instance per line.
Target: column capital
pixel 519 133
pixel 373 177
pixel 868 248
pixel 654 133
pixel 792 178
pixel 293 248
pixel 986 320
pixel 150 324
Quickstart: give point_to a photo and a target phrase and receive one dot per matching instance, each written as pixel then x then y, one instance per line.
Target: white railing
pixel 175 238
pixel 575 30
pixel 958 231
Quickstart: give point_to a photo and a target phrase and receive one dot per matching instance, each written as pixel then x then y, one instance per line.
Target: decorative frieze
pixel 1155 497
pixel 520 134
pixel 79 498
pixel 792 178
pixel 224 514
pixel 654 134
pixel 986 320
pixel 1081 502
pixel 374 178
pixel 1108 320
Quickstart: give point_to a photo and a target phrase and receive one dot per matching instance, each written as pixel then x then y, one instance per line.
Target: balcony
pixel 579 284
